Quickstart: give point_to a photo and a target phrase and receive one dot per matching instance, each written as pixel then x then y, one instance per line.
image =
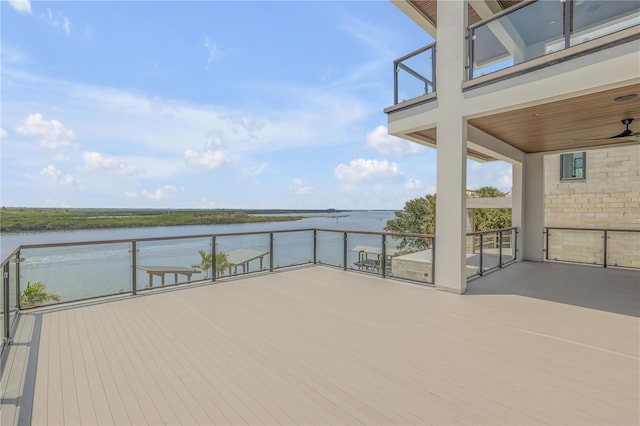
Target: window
pixel 573 166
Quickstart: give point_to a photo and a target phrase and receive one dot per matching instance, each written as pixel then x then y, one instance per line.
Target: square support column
pixel 533 228
pixel 451 148
pixel 528 206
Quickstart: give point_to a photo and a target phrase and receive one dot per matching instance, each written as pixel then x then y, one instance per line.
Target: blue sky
pixel 208 104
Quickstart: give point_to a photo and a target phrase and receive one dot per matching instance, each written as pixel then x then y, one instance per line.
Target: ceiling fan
pixel 626 134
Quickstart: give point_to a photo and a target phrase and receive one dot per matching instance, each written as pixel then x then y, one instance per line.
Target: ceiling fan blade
pixel 624 134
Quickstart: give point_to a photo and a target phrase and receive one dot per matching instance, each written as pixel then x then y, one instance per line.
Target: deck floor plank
pixel 324 346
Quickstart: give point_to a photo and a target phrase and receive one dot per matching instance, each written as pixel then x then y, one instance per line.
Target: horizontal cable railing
pixel 414 74
pixel 533 29
pixel 491 250
pixel 44 274
pixel 593 246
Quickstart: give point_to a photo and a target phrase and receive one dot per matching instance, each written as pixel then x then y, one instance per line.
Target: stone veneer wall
pixel 609 198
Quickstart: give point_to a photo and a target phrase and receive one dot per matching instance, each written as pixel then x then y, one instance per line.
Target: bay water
pixel 83 271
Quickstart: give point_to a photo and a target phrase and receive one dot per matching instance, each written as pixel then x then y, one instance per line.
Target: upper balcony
pixel 523 37
pixel 541 76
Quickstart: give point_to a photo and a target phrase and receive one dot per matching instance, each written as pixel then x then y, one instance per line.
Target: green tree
pixel 222 264
pixel 487 219
pixel 36 294
pixel 417 217
pixel 205 262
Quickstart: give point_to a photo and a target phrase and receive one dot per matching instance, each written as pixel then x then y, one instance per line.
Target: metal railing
pixel 414 74
pixel 79 271
pixel 593 246
pixel 533 29
pixel 491 250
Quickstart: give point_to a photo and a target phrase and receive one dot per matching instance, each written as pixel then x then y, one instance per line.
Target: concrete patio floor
pixel 318 345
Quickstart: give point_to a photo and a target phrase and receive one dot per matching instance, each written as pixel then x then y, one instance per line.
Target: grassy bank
pixel 32 219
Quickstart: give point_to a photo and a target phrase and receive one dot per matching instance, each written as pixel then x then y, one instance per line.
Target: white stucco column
pixel 528 206
pixel 450 273
pixel 517 203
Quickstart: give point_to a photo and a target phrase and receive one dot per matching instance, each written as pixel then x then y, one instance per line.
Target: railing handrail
pixel 591 229
pixel 197 236
pixel 415 52
pixel 502 13
pixel 492 231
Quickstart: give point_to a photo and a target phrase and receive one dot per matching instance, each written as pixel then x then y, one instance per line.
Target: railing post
pixel 315 246
pixel 433 260
pixel 515 244
pixel 18 292
pixel 470 36
pixel 383 262
pixel 134 269
pixel 271 251
pixel 433 68
pixel 567 21
pixel 344 252
pixel 606 238
pixel 5 299
pixel 546 243
pixel 395 82
pixel 214 267
pixel 500 249
pixel 480 259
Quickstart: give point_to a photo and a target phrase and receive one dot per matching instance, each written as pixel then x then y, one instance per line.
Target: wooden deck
pixel 322 346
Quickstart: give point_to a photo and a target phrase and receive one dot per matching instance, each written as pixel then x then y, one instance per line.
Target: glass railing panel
pixel 13 292
pixel 166 262
pixel 74 272
pixel 581 246
pixel 242 254
pixel 415 75
pixel 292 248
pixel 330 248
pixel 473 255
pixel 490 251
pixel 2 299
pixel 597 18
pixel 524 34
pixel 410 258
pixel 364 252
pixel 623 249
pixel 508 246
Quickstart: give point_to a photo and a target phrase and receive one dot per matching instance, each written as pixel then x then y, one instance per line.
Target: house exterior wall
pixel 609 198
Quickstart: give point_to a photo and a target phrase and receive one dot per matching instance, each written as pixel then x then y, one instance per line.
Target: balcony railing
pixel 491 250
pixel 415 74
pixel 594 246
pixel 87 270
pixel 534 29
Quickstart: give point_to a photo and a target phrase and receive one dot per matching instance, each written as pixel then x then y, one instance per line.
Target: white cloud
pixel 300 187
pixel 360 170
pixel 57 178
pixel 212 49
pixel 52 133
pixel 22 6
pixel 88 32
pixel 58 21
pixel 94 161
pixel 3 133
pixel 130 195
pixel 165 192
pixel 380 140
pixel 413 184
pixel 206 159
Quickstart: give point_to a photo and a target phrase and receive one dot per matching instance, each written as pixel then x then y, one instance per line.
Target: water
pixel 76 272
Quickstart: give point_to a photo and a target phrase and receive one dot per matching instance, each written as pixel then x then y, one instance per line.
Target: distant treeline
pixel 45 219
